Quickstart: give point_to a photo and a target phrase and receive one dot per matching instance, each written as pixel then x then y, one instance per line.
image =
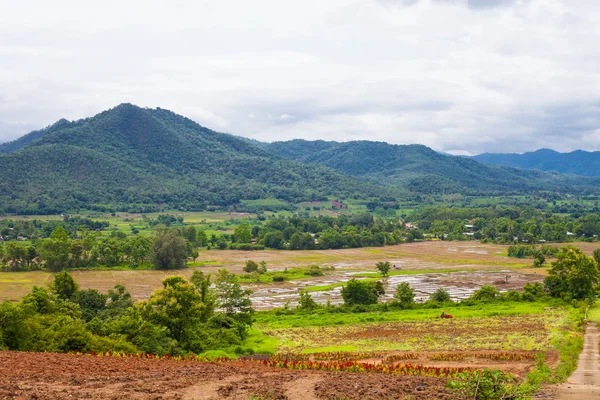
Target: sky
pixel 460 76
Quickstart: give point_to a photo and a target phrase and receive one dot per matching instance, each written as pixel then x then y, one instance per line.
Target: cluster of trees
pixel 168 249
pixel 506 225
pixel 34 229
pixel 322 232
pixel 178 319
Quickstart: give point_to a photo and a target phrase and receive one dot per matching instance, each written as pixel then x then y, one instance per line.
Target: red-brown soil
pixel 66 376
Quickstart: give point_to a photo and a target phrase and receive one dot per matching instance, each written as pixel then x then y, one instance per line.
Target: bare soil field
pixel 67 376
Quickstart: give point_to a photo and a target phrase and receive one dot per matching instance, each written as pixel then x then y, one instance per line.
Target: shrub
pixel 440 296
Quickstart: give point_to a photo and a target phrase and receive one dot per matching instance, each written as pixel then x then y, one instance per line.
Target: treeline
pixel 322 232
pixel 506 225
pixel 212 315
pixel 25 229
pixel 168 249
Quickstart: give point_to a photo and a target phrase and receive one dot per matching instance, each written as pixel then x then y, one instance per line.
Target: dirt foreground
pixel 66 376
pixel 584 384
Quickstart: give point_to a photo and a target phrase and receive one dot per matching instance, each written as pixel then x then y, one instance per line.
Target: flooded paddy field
pixel 459 285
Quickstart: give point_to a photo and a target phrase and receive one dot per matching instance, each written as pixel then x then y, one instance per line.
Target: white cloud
pixel 458 75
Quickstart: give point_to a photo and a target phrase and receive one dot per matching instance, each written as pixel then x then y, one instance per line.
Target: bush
pixel 361 292
pixel 440 296
pixel 405 295
pixel 314 270
pixel 486 293
pixel 251 266
pixel 278 278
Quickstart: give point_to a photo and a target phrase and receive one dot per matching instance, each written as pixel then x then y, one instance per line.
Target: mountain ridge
pixel 577 162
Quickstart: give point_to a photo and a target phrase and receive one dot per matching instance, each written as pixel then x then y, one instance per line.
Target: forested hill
pixel 132 158
pixel 577 162
pixel 422 170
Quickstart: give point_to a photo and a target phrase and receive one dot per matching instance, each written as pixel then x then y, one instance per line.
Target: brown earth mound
pixel 66 376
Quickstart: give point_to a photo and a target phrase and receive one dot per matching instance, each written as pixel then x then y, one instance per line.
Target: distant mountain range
pixel 133 158
pixel 577 162
pixel 422 170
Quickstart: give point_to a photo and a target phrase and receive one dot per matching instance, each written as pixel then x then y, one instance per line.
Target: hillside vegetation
pixel 142 158
pixel 420 169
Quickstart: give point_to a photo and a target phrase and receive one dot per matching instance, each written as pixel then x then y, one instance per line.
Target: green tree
pixel 596 256
pixel 55 250
pixel 190 233
pixel 361 292
pixel 251 266
pixel 169 250
pixel 177 306
pixel 234 300
pixel 440 296
pixel 207 295
pixel 486 293
pixel 306 302
pixel 384 268
pixel 64 285
pixel 201 238
pixel 274 240
pixel 405 295
pixel 573 274
pixel 242 233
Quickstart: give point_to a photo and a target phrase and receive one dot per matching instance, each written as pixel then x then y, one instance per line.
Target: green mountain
pixel 133 158
pixel 420 169
pixel 578 162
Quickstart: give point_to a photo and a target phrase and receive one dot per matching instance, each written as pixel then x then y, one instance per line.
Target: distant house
pixel 408 225
pixel 1 238
pixel 570 233
pixel 21 238
pixel 468 226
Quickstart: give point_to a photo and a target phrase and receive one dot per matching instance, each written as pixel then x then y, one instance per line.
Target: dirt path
pixel 584 384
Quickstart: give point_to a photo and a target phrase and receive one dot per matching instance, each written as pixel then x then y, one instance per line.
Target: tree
pixel 190 233
pixel 596 256
pixel 201 238
pixel 55 250
pixel 384 268
pixel 486 293
pixel 361 292
pixel 242 233
pixel 573 274
pixel 306 302
pixel 440 296
pixel 539 260
pixel 202 284
pixel 251 266
pixel 405 295
pixel 64 285
pixel 177 306
pixel 274 240
pixel 234 300
pixel 169 250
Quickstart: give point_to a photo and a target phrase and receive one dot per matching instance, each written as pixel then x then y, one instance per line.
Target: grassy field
pixel 500 326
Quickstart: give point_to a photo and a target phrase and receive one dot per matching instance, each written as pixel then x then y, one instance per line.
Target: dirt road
pixel 584 384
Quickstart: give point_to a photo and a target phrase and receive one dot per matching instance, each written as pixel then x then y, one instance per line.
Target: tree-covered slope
pixel 577 162
pixel 422 170
pixel 130 156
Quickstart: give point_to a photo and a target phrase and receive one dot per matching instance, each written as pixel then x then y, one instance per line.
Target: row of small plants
pixel 495 356
pixel 354 356
pixel 354 366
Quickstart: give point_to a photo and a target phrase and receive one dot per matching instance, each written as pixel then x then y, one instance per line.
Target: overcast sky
pixel 459 76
